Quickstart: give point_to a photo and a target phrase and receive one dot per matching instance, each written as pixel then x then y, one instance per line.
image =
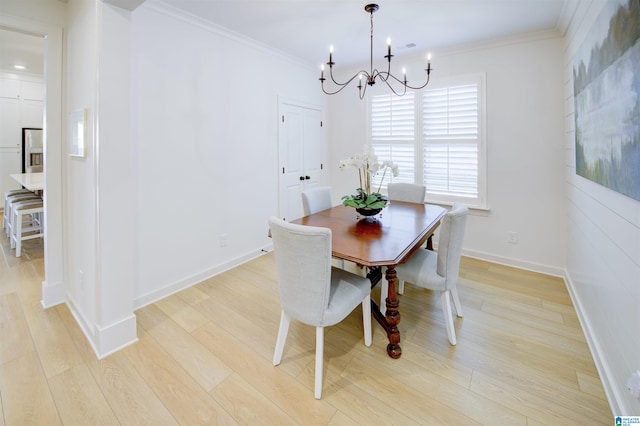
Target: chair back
pixel 316 199
pixel 407 192
pixel 303 261
pixel 450 243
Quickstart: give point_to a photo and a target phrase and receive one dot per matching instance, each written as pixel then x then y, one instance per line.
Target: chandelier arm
pixel 419 87
pixel 361 72
pixel 384 76
pixel 386 81
pixel 342 85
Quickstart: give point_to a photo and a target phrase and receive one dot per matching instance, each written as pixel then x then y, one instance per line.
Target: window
pixel 444 147
pixel 393 133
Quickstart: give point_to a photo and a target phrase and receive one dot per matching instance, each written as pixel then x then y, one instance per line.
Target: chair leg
pixel 445 299
pixel 319 361
pixel 282 337
pixel 366 319
pixel 384 293
pixel 456 301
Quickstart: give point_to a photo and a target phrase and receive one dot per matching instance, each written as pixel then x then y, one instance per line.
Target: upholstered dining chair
pixel 408 192
pixel 316 199
pixel 311 291
pixel 439 271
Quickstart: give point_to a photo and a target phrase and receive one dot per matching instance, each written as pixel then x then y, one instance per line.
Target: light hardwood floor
pixel 204 357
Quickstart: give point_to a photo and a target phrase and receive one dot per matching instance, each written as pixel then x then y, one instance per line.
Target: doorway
pixel 53 288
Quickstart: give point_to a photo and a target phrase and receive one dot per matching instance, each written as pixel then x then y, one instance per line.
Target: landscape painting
pixel 606 84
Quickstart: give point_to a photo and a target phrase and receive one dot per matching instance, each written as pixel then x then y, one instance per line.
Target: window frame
pixel 481 200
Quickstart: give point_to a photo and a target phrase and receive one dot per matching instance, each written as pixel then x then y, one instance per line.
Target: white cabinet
pixel 31 114
pixel 10 128
pixel 9 88
pixel 31 91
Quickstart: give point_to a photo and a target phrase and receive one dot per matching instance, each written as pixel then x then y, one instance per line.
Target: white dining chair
pixel 316 199
pixel 311 291
pixel 439 271
pixel 407 192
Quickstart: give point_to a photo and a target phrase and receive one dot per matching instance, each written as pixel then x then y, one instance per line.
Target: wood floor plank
pixel 79 399
pixel 205 368
pixel 128 394
pixel 187 401
pixel 248 405
pixel 25 392
pixel 282 389
pixel 15 336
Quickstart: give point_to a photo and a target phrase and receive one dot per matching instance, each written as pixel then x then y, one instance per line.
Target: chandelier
pixel 372 75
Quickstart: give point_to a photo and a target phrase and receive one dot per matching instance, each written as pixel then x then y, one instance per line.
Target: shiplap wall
pixel 603 250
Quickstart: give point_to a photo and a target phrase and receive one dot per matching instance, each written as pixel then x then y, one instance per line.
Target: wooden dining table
pixel 380 242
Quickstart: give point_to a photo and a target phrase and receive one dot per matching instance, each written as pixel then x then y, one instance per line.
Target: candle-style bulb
pixel 331 49
pixel 429 56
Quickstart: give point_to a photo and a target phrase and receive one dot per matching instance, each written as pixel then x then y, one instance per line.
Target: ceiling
pixel 306 28
pixel 21 49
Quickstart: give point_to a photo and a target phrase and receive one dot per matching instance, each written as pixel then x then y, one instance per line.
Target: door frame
pixel 53 287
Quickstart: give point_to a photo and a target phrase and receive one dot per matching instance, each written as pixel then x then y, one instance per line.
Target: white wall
pixel 603 264
pixel 524 100
pixel 204 120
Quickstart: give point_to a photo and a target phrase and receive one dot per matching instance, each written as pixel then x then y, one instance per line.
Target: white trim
pixel 116 336
pixel 52 294
pixel 616 402
pixel 515 263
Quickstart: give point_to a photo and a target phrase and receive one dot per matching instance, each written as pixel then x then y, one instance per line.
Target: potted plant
pixel 367 201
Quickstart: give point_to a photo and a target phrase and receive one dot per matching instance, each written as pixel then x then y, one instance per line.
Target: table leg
pixel 393 315
pixel 392 318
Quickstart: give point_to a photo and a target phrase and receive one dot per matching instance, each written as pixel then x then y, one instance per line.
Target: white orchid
pixel 368 166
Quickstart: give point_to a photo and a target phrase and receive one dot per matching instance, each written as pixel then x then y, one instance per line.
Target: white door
pixel 300 155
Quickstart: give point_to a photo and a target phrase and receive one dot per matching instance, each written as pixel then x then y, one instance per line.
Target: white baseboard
pixel 516 263
pixel 116 336
pixel 52 294
pixel 105 340
pixel 149 298
pixel 610 389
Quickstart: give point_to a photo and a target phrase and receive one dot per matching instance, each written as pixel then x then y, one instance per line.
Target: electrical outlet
pixel 513 237
pixel 223 240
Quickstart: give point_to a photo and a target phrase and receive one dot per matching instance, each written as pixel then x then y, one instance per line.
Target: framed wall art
pixel 606 87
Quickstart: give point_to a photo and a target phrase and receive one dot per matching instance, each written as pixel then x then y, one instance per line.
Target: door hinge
pixel 321 166
pixel 283 118
pixel 283 170
pixel 320 123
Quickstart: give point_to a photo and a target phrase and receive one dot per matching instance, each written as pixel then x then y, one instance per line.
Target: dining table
pixel 31 181
pixel 380 242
